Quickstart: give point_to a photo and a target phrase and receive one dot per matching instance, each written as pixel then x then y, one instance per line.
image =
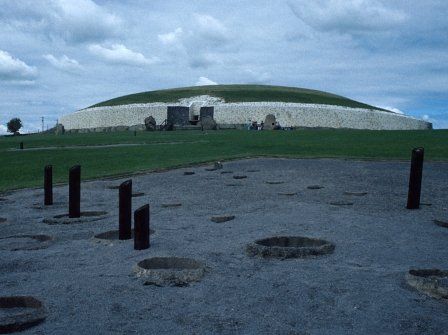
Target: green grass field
pixel 239 93
pixel 161 150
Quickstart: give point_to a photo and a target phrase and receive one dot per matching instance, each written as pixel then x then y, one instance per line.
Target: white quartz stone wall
pixel 288 114
pixel 126 115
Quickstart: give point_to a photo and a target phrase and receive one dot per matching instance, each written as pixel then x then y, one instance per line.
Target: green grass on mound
pixel 238 93
pixel 161 150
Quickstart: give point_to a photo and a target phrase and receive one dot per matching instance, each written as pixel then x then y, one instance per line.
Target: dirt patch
pixel 88 216
pixel 275 182
pixel 18 313
pixel 432 282
pixel 289 247
pixel 189 173
pixel 169 271
pixel 239 177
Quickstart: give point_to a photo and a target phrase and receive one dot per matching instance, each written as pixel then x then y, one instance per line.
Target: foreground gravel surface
pixel 89 287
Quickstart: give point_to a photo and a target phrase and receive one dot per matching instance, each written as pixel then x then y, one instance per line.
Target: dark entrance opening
pixel 207 112
pixel 178 115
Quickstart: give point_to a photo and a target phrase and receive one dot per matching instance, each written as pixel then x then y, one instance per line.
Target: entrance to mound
pixel 192 115
pixel 178 115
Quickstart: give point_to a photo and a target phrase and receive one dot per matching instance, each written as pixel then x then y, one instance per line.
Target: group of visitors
pixel 254 125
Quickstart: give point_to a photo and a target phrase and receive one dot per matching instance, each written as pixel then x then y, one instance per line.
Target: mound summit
pixel 234 106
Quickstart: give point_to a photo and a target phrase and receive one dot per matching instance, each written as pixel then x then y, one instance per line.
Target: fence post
pixel 74 192
pixel 48 185
pixel 141 228
pixel 125 210
pixel 415 178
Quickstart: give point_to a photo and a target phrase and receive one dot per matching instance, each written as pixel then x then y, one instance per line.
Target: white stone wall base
pixel 287 114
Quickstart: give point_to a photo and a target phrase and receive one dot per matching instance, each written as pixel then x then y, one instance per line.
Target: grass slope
pixel 161 150
pixel 238 93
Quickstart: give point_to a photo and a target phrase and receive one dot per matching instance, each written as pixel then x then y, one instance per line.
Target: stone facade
pixel 287 114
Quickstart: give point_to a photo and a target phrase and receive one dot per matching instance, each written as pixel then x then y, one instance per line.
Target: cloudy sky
pixel 57 56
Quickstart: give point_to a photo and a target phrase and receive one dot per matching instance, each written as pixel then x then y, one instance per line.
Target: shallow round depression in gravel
pixel 289 247
pixel 18 313
pixel 439 222
pixel 432 282
pixel 25 242
pixel 88 216
pixel 112 235
pixel 169 271
pixel 2 220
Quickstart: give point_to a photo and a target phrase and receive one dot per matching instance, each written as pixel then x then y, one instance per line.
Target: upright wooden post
pixel 48 185
pixel 21 145
pixel 74 192
pixel 415 178
pixel 141 228
pixel 125 210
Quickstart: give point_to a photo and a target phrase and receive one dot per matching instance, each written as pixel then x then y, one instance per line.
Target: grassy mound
pixel 238 93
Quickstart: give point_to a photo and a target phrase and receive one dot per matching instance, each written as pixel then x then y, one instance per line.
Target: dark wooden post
pixel 141 228
pixel 415 179
pixel 48 185
pixel 74 192
pixel 21 145
pixel 125 210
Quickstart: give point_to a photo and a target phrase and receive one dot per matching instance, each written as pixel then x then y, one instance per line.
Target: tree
pixel 14 125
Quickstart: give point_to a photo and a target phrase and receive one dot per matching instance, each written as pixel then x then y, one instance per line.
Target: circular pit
pixel 289 247
pixel 85 217
pixel 169 271
pixel 25 242
pixel 18 313
pixel 432 282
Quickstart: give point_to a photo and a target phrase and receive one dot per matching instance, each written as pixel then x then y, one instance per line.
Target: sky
pixel 58 56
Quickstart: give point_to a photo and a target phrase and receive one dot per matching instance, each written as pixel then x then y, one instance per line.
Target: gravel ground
pixel 88 287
